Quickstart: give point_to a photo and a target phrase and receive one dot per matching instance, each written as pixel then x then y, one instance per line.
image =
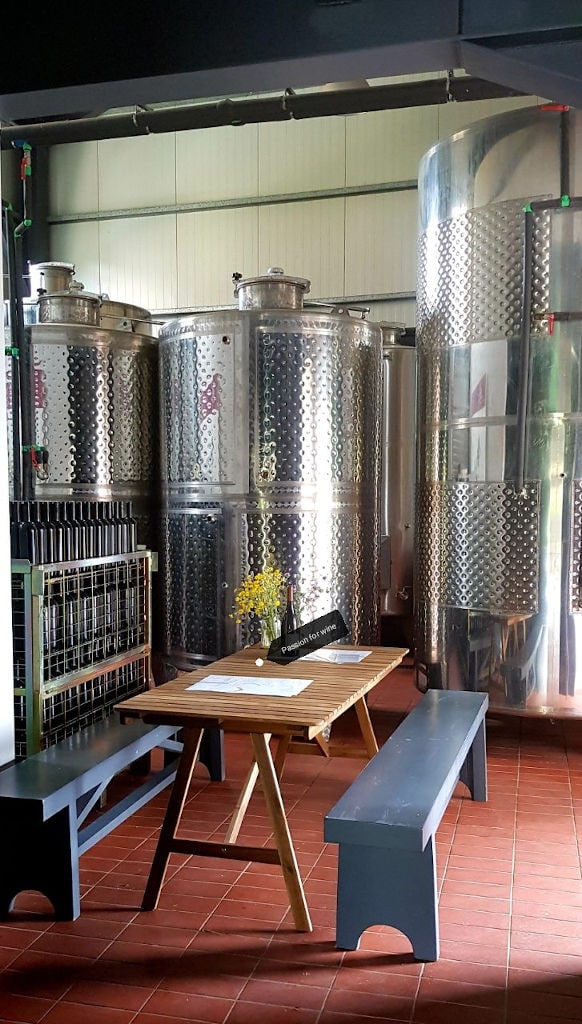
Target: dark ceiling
pixel 111 55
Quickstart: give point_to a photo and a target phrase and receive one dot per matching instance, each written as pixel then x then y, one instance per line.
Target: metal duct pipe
pixel 286 107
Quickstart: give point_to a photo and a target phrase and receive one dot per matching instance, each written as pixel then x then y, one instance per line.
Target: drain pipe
pixel 14 349
pixel 524 349
pixel 23 477
pixel 287 106
pixel 25 174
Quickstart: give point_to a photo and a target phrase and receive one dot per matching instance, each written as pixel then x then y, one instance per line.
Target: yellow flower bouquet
pixel 261 595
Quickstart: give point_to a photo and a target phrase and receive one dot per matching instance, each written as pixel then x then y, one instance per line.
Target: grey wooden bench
pixel 385 822
pixel 45 800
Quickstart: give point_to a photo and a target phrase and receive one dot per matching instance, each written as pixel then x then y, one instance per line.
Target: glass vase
pixel 270 630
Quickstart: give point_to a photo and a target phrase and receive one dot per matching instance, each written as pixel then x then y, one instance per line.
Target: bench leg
pixel 390 887
pixel 212 753
pixel 42 857
pixel 474 771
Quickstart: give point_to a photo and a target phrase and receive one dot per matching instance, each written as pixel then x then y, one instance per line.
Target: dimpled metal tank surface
pixel 498 577
pixel 270 432
pixel 95 412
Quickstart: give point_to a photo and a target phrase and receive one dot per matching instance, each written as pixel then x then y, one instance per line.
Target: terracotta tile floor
pixel 221 946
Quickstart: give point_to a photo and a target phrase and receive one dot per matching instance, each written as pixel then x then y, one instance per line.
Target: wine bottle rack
pixel 81 642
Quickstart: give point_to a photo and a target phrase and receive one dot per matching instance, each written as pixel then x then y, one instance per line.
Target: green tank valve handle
pixel 22 227
pixel 15 352
pixel 565 201
pixel 527 208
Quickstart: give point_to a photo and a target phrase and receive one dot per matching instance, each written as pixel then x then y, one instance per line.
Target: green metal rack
pixel 81 643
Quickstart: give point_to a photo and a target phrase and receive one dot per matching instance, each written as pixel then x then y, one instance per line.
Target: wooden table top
pixel 334 689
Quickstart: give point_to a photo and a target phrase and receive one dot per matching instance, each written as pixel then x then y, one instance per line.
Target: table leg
pixel 323 744
pixel 366 726
pixel 192 739
pixel 282 748
pixel 243 801
pixel 283 841
pixel 249 786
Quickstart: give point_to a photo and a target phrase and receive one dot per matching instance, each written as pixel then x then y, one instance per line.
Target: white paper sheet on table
pixel 267 686
pixel 336 657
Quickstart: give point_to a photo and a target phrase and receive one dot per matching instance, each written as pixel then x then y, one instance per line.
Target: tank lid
pixel 55 265
pixel 114 306
pixel 391 332
pixel 72 293
pixel 272 290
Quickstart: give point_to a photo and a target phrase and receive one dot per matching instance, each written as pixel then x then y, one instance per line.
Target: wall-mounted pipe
pixel 523 388
pixel 285 107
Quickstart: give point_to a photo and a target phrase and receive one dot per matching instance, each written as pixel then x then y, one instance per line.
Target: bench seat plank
pixel 401 795
pixel 46 778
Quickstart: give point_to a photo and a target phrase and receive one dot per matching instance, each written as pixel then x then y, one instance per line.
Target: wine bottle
pixel 44 537
pixel 56 632
pixel 72 623
pixel 82 531
pixel 28 543
pixel 132 607
pixel 111 612
pixel 67 528
pixel 97 529
pixel 289 620
pixel 132 524
pixel 122 527
pixel 56 527
pixel 14 514
pixel 86 621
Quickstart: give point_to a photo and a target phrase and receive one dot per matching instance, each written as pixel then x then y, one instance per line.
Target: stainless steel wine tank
pixel 95 411
pixel 499 491
pixel 270 434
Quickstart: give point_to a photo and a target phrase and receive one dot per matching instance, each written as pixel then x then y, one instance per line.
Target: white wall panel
pixel 394 312
pixel 79 244
pixel 217 163
pixel 138 260
pixel 298 156
pixel 10 174
pixel 386 145
pixel 73 184
pixel 307 240
pixel 212 244
pixel 381 233
pixel 454 116
pixel 137 172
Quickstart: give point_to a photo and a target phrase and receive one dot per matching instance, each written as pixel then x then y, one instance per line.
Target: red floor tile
pixel 221 948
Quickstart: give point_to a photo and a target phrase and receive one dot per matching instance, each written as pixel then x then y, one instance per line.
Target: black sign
pixel 308 638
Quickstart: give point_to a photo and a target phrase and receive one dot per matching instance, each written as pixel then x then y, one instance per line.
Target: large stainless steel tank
pixel 499 526
pixel 95 396
pixel 398 476
pixel 270 432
